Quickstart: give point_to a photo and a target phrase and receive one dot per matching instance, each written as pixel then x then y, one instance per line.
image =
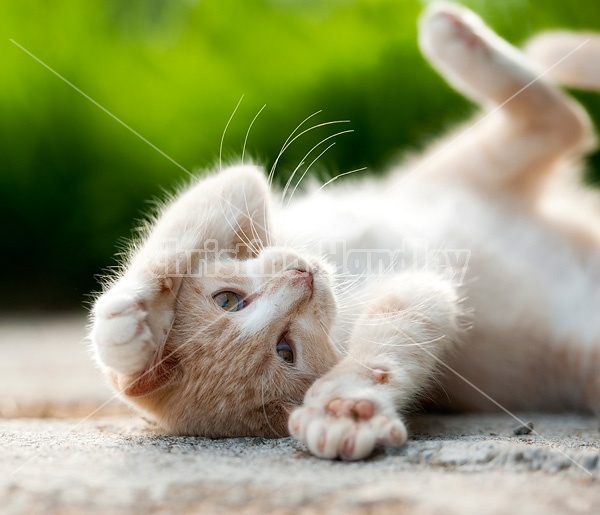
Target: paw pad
pixel 347 417
pixel 357 410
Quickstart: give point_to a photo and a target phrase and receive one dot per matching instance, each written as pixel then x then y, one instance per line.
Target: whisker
pixel 305 172
pixel 272 171
pixel 333 179
pixel 304 158
pixel 248 131
pixel 242 235
pixel 285 147
pixel 266 225
pixel 225 130
pixel 255 234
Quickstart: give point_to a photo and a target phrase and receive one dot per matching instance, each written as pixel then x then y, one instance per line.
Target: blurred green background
pixel 73 181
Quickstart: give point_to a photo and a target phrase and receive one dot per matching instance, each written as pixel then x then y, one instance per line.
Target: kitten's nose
pixel 307 276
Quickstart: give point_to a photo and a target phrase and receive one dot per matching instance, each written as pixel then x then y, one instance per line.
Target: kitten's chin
pixel 323 275
pixel 322 302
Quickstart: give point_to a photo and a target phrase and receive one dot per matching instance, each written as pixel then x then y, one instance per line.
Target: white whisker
pixel 302 161
pixel 272 171
pixel 248 131
pixel 286 145
pixel 225 130
pixel 333 179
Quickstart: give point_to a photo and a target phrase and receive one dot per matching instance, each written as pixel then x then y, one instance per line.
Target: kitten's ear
pixel 228 210
pixel 157 374
pixel 242 222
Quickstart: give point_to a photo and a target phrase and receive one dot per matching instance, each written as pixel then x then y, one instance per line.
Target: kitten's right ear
pixel 229 210
pixel 243 202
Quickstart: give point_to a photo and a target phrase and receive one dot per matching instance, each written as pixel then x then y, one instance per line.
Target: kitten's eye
pixel 285 352
pixel 229 301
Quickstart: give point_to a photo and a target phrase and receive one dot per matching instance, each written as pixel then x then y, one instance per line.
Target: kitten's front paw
pixel 121 333
pixel 346 417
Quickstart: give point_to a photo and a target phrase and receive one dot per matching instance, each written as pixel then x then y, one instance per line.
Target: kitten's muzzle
pixel 304 275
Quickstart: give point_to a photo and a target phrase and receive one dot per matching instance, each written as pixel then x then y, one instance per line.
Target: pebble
pixel 523 429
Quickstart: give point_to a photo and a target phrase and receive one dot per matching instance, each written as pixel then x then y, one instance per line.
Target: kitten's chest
pixel 374 229
pixel 508 260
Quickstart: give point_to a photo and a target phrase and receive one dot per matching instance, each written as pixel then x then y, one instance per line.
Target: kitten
pixel 236 315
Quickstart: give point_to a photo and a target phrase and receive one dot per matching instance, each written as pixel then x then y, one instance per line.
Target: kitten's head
pixel 250 331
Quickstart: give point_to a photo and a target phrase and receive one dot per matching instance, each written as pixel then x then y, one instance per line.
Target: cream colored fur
pixel 517 316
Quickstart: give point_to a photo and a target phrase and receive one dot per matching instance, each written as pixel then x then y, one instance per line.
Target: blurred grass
pixel 73 181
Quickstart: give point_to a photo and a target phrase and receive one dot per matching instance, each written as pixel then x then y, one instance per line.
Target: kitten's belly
pixel 534 294
pixel 536 338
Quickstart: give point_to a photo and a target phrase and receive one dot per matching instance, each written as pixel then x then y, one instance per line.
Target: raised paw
pixel 347 417
pixel 121 333
pixel 470 55
pixel 453 35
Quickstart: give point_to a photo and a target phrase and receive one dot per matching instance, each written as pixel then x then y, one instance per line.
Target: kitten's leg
pixel 407 327
pixel 529 124
pixel 580 68
pixel 132 319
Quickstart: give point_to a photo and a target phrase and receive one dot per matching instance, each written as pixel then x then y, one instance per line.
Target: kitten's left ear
pixel 160 372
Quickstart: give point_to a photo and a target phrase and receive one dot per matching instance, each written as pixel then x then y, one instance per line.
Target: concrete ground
pixel 55 458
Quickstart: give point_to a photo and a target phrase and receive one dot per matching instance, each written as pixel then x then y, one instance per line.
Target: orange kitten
pixel 476 265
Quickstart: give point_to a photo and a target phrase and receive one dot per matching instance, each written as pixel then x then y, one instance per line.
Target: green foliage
pixel 73 180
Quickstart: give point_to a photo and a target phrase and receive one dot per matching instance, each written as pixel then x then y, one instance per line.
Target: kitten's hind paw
pixel 121 334
pixel 470 55
pixel 346 418
pixel 454 38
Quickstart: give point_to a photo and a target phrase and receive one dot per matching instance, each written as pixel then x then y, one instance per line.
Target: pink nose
pixel 307 276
